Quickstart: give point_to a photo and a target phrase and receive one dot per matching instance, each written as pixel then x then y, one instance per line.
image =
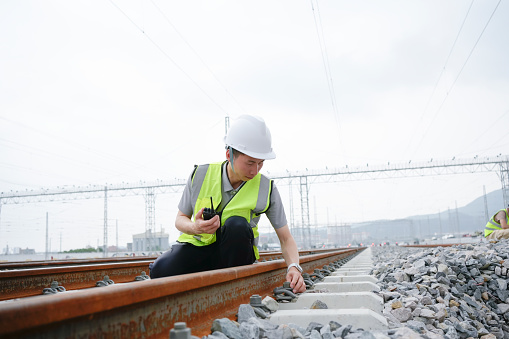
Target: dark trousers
pixel 233 247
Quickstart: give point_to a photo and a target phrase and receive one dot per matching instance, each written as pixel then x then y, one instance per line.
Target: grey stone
pixel 502 284
pixel 271 304
pixel 361 335
pixel 426 301
pixel 315 335
pixel 405 333
pixel 296 334
pixel 342 331
pixel 262 324
pixel 249 331
pixel 318 304
pixel 245 312
pixel 443 268
pixel 417 326
pixel 334 325
pixel 427 313
pixel 298 328
pixel 326 333
pixel 440 315
pixel 314 326
pixel 278 333
pixel 503 307
pixel 226 326
pixel 217 335
pixel 451 333
pixel 402 314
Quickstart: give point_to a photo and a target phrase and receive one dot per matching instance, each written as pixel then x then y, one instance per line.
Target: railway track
pixel 147 308
pixel 25 279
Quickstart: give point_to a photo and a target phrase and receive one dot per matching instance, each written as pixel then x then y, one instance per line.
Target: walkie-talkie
pixel 209 213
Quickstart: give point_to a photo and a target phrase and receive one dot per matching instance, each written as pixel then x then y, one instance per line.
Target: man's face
pixel 246 167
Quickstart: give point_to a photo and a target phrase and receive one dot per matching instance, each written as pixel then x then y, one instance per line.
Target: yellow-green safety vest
pixel 492 225
pixel 252 199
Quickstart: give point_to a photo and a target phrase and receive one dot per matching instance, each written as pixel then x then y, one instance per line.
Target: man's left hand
pixel 296 280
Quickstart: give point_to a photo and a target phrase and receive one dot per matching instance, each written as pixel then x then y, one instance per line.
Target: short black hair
pixel 235 153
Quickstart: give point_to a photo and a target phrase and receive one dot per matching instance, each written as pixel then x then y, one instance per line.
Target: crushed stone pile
pixel 455 292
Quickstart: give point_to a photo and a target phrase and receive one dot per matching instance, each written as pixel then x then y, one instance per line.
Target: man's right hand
pixel 205 226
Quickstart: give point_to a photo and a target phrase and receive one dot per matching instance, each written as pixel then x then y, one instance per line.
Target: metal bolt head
pixel 255 299
pixel 180 331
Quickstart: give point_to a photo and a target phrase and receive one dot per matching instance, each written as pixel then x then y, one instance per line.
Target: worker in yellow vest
pixel 498 226
pixel 221 206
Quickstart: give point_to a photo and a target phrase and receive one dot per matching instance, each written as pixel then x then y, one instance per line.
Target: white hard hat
pixel 249 135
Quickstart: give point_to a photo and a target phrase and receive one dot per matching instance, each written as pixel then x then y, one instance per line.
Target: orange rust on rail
pixel 149 308
pixel 20 280
pixel 10 265
pixel 30 282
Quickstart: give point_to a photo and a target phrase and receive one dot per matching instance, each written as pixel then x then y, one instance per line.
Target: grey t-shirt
pixel 275 213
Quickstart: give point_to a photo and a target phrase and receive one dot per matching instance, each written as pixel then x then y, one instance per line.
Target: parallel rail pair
pixel 150 308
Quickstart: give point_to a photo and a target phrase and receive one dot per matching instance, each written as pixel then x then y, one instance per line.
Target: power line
pixel 170 58
pixel 442 72
pixel 483 134
pixel 326 65
pixel 196 53
pixel 66 142
pixel 459 73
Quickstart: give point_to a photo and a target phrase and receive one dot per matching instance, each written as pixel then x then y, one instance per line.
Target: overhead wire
pixel 169 58
pixel 458 75
pixel 483 134
pixel 441 73
pixel 326 65
pixel 101 154
pixel 42 153
pixel 196 53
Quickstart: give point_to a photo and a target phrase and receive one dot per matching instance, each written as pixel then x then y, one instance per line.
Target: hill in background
pixel 458 222
pixel 463 220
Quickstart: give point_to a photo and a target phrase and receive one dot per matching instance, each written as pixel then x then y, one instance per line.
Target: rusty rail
pixel 20 280
pixel 16 265
pixel 12 265
pixel 149 308
pixel 32 281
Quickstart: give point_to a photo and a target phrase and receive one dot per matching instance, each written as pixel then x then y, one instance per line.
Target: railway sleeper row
pixel 344 296
pixel 340 293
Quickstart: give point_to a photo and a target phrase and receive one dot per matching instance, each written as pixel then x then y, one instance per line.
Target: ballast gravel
pixel 455 292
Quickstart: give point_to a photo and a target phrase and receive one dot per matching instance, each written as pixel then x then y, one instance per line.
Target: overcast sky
pixel 105 92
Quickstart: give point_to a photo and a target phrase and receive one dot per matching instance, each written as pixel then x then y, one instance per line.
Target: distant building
pixel 360 236
pixel 151 241
pixel 26 251
pixel 339 235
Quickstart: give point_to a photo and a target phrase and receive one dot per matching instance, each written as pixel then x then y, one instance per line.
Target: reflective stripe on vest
pixel 252 199
pixel 492 225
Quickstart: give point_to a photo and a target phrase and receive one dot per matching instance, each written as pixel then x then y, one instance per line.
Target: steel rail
pixel 9 265
pixel 20 280
pixel 16 265
pixel 150 308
